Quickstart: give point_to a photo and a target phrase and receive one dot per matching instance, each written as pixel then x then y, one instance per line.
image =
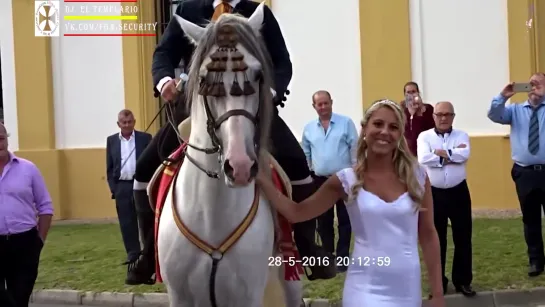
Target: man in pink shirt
pixel 25 217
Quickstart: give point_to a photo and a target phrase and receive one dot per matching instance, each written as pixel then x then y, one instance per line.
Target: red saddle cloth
pixel 287 245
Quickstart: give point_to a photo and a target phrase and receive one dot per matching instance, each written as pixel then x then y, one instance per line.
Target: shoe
pixel 535 270
pixel 466 290
pixel 129 261
pixel 322 272
pixel 138 273
pixel 141 271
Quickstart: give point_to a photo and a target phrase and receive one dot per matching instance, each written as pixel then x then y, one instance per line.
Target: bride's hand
pixel 262 174
pixel 260 177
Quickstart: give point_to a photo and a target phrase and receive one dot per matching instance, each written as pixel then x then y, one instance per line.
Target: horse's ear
pixel 256 20
pixel 191 30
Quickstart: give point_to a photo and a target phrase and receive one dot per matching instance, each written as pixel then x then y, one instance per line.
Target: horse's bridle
pixel 212 86
pixel 212 125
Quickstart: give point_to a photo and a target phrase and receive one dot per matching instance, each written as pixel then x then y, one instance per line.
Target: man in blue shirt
pixel 527 121
pixel 330 144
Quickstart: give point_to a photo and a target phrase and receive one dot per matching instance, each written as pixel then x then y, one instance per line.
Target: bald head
pixel 444 106
pixel 443 115
pixel 3 129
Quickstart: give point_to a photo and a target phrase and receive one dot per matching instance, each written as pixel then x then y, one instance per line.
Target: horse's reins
pixel 170 118
pixel 212 125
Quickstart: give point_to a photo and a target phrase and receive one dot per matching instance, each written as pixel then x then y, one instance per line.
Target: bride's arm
pixel 429 241
pixel 316 204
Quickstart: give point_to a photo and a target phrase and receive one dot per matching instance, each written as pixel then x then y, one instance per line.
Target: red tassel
pixel 290 272
pixel 162 191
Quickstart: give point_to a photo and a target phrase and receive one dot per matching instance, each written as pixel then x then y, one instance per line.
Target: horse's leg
pixel 293 289
pixel 176 298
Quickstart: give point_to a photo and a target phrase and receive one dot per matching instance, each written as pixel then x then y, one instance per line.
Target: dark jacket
pixel 113 155
pixel 175 46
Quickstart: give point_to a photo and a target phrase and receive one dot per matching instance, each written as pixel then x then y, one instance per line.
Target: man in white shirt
pixel 444 152
pixel 122 151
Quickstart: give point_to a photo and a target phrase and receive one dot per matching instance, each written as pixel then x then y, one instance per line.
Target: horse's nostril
pixel 228 169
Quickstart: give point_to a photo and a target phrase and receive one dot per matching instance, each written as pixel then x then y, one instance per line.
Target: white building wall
pixel 88 88
pixel 325 52
pixel 460 53
pixel 8 73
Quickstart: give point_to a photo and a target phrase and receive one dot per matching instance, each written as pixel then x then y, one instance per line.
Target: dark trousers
pixel 19 260
pixel 455 204
pixel 126 214
pixel 530 186
pixel 161 146
pixel 326 227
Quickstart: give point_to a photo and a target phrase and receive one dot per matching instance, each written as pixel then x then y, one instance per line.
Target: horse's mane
pixel 251 40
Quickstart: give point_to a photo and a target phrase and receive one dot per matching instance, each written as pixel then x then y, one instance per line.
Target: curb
pixel 503 298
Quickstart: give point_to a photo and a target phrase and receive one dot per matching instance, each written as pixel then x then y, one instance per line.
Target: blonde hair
pixel 404 162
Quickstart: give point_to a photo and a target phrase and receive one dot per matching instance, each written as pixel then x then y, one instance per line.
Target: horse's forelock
pixel 252 42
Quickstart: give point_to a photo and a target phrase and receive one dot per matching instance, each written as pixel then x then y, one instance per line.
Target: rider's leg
pixel 289 154
pixel 161 146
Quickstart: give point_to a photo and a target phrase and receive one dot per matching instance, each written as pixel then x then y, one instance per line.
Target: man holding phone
pixel 527 121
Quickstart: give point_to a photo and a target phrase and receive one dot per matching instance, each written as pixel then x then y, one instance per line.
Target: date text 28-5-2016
pixel 325 261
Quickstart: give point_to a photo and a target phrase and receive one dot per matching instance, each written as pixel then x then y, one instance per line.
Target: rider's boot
pixel 305 238
pixel 141 272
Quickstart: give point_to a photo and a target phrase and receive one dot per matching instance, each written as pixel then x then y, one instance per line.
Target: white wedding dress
pixel 385 265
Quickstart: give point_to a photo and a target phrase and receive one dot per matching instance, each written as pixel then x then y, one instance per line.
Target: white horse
pixel 207 257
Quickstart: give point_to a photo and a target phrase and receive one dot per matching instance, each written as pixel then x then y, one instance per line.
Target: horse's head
pixel 230 73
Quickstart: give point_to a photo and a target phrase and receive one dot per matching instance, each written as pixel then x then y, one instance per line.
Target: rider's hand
pixel 508 91
pixel 169 91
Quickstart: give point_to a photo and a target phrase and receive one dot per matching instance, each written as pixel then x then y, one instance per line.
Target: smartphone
pixel 522 87
pixel 408 100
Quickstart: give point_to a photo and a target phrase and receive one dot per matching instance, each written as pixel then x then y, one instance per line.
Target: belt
pixel 323 176
pixel 5 237
pixel 535 167
pixel 125 180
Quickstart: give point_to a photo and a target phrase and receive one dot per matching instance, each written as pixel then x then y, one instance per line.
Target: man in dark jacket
pixel 173 48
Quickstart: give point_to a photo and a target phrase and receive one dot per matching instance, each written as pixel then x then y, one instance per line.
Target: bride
pixel 388 198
